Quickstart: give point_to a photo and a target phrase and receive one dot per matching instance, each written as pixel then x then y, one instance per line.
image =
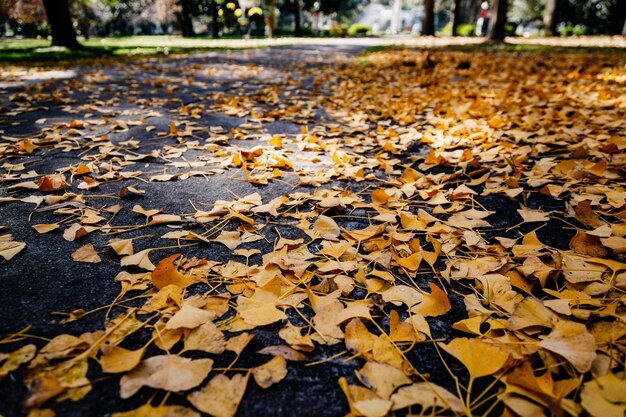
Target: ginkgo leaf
pixel 229 239
pixel 257 312
pixel 206 337
pixel 9 248
pixel 188 316
pixel 53 182
pixel 139 259
pixel 46 227
pixel 382 378
pixel 166 273
pixel 490 360
pixel 238 343
pixel 573 342
pixel 434 304
pixel 428 395
pixel 271 372
pixel 86 253
pixel 122 246
pixel 605 396
pixel 148 410
pixel 119 359
pixel 530 215
pixel 11 361
pixel 167 372
pixel 222 395
pixel 326 228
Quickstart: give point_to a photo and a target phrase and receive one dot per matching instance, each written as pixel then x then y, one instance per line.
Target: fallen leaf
pixel 167 372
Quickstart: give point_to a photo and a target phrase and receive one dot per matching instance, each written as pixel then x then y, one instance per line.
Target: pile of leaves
pixel 470 205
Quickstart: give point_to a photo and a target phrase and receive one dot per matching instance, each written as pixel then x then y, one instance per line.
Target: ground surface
pixel 381 218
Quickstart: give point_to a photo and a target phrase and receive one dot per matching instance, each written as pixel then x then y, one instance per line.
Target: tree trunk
pixel 215 29
pixel 497 29
pixel 184 18
pixel 456 17
pixel 269 20
pixel 297 30
pixel 549 17
pixel 428 24
pixel 60 21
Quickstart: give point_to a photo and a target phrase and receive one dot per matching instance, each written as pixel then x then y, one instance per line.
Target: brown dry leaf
pixel 123 247
pixel 284 351
pixel 119 359
pixel 605 396
pixel 325 228
pixel 167 372
pixel 9 248
pixel 148 410
pixel 364 402
pixel 229 239
pixel 573 342
pixel 427 395
pixel 41 412
pixel 188 316
pixel 531 313
pixel 166 273
pixel 140 259
pixel 490 360
pixel 434 304
pixel 258 312
pixel 86 253
pixel 222 395
pixel 13 360
pixel 52 182
pixel 530 215
pixel 271 372
pixel 586 216
pixel 238 343
pixel 382 378
pixel 587 244
pixel 45 227
pixel 207 338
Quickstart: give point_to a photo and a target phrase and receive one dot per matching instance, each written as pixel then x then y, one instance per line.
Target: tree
pixel 497 29
pixel 60 21
pixel 428 24
pixel 184 18
pixel 549 16
pixel 215 29
pixel 456 17
pixel 297 30
pixel 270 18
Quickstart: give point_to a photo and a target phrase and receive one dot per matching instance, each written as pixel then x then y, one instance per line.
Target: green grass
pixel 38 50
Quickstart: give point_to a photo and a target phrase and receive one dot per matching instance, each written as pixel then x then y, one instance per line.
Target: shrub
pixel 466 30
pixel 359 30
pixel 338 30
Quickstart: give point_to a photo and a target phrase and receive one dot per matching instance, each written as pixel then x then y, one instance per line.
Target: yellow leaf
pixel 434 304
pixel 167 372
pixel 270 372
pixel 427 395
pixel 86 253
pixel 480 358
pixel 166 273
pixel 258 312
pixel 384 379
pixel 573 342
pixel 148 410
pixel 222 395
pixel 9 248
pixel 119 359
pixel 46 227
